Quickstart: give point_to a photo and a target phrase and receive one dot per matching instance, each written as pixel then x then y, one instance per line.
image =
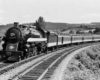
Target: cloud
pixel 93 15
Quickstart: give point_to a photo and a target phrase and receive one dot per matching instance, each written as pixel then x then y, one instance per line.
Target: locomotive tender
pixel 22 41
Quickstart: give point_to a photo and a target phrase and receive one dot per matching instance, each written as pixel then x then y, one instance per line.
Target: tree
pixel 40 25
pixel 77 32
pixel 41 22
pixel 90 32
pixel 71 32
pixel 97 30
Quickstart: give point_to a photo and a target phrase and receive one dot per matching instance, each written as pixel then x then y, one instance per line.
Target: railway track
pixel 41 66
pixel 12 68
pixel 4 67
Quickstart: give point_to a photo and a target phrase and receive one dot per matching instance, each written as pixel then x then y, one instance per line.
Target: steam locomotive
pixel 23 41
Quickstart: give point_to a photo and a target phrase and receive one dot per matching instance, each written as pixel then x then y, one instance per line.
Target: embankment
pixel 85 65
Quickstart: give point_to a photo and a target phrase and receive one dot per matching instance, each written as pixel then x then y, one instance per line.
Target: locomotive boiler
pixel 22 41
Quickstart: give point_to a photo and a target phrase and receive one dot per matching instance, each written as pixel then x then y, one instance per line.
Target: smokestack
pixel 16 24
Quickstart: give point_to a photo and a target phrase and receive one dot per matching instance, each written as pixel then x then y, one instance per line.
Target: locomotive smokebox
pixel 16 24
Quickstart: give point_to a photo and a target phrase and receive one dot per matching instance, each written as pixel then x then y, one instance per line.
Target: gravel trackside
pixel 60 72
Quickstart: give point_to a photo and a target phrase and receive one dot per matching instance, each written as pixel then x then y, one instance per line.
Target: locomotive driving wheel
pixel 35 51
pixel 19 58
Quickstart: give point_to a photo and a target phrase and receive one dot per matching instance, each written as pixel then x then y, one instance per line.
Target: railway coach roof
pixel 52 33
pixel 63 35
pixel 77 35
pixel 70 35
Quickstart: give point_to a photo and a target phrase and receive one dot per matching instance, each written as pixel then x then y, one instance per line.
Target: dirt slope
pixel 85 65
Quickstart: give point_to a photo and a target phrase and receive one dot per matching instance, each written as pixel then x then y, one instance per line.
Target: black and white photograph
pixel 49 39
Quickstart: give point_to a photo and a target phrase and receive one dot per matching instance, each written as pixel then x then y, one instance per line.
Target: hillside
pixel 3 28
pixel 55 26
pixel 49 26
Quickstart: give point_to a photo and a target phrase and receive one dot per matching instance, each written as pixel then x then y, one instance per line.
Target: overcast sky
pixel 69 11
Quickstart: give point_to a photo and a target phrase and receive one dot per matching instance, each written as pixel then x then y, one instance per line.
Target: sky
pixel 67 11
